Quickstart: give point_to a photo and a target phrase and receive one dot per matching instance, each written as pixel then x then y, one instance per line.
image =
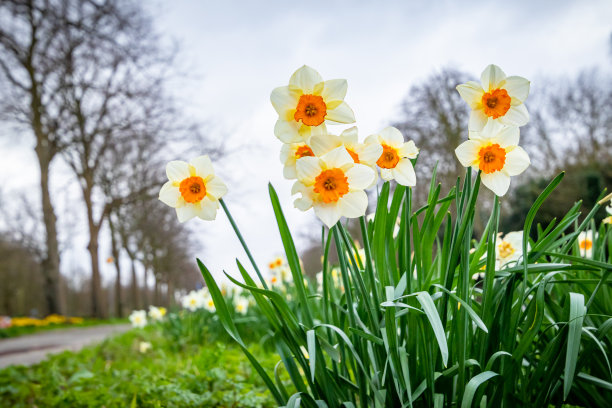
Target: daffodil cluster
pixel 331 171
pixel 498 110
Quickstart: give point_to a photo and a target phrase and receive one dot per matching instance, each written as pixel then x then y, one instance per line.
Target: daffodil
pixel 362 153
pixel 496 98
pixel 144 346
pixel 290 154
pixel 334 185
pixel 242 306
pixel 509 249
pixel 138 318
pixel 307 104
pixel 276 263
pixel 495 152
pixel 192 301
pixel 209 304
pixel 394 161
pixel 585 242
pixel 193 189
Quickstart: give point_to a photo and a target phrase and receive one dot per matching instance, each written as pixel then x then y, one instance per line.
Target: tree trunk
pixel 135 297
pixel 92 247
pixel 145 286
pixel 115 251
pixel 51 260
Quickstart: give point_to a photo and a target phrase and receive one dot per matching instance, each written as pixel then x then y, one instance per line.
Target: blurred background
pixel 97 95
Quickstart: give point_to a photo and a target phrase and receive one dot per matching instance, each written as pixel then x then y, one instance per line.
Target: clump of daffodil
pixel 394 159
pixel 138 318
pixel 334 185
pixel 193 189
pixel 496 98
pixel 585 242
pixel 307 103
pixel 495 152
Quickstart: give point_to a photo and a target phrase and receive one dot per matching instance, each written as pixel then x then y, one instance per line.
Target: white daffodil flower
pixel 496 98
pixel 138 318
pixel 608 219
pixel 307 104
pixel 585 242
pixel 334 185
pixel 192 301
pixel 209 304
pixel 509 248
pixel 496 153
pixel 193 189
pixel 362 153
pixel 242 306
pixel 394 161
pixel 144 346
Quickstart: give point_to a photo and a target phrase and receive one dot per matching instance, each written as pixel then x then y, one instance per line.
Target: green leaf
pixel 430 310
pixel 472 386
pixel 576 317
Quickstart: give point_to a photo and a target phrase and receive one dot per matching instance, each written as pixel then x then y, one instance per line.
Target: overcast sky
pixel 237 51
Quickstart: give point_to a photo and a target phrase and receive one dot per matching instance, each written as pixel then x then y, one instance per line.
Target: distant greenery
pixel 117 374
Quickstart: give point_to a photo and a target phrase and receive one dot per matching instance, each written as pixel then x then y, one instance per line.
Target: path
pixel 33 348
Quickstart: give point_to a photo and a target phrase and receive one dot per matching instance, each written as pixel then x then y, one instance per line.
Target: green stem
pixel 244 245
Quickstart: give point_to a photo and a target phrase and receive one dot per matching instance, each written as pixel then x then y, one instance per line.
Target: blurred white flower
pixel 242 305
pixel 157 313
pixel 585 242
pixel 138 318
pixel 144 346
pixel 192 301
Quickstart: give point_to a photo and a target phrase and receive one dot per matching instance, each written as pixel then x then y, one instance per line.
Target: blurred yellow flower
pixel 307 103
pixel 394 160
pixel 496 98
pixel 334 185
pixel 496 153
pixel 193 189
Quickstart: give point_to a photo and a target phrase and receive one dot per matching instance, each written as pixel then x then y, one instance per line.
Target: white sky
pixel 237 51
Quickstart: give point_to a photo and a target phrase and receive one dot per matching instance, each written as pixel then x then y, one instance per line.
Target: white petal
pixel 517 161
pixel 328 213
pixel 307 169
pixel 334 90
pixel 392 136
pixel 177 170
pixel 349 136
pixel 516 116
pixel 492 77
pixel 471 92
pixel 508 136
pixel 283 99
pixel 169 194
pixel 341 114
pixel 370 153
pixel 517 87
pixel 491 129
pixel 353 204
pixel 203 166
pixel 186 212
pixel 360 177
pixel 515 238
pixel 288 132
pixel 372 139
pixel 386 174
pixel 305 79
pixel 478 120
pixel 404 173
pixel 409 150
pixel 467 152
pixel 324 143
pixel 289 172
pixel 337 158
pixel 498 182
pixel 208 209
pixel 287 152
pixel 216 187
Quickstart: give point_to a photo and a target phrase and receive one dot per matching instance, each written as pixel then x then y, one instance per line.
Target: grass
pixel 116 374
pixel 20 331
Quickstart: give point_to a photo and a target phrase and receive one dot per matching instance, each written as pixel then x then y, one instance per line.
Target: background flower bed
pixel 117 373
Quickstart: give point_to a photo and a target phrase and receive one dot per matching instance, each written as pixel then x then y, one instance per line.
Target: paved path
pixel 33 348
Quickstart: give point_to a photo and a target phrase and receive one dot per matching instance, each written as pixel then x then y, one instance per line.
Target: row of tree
pixel 88 80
